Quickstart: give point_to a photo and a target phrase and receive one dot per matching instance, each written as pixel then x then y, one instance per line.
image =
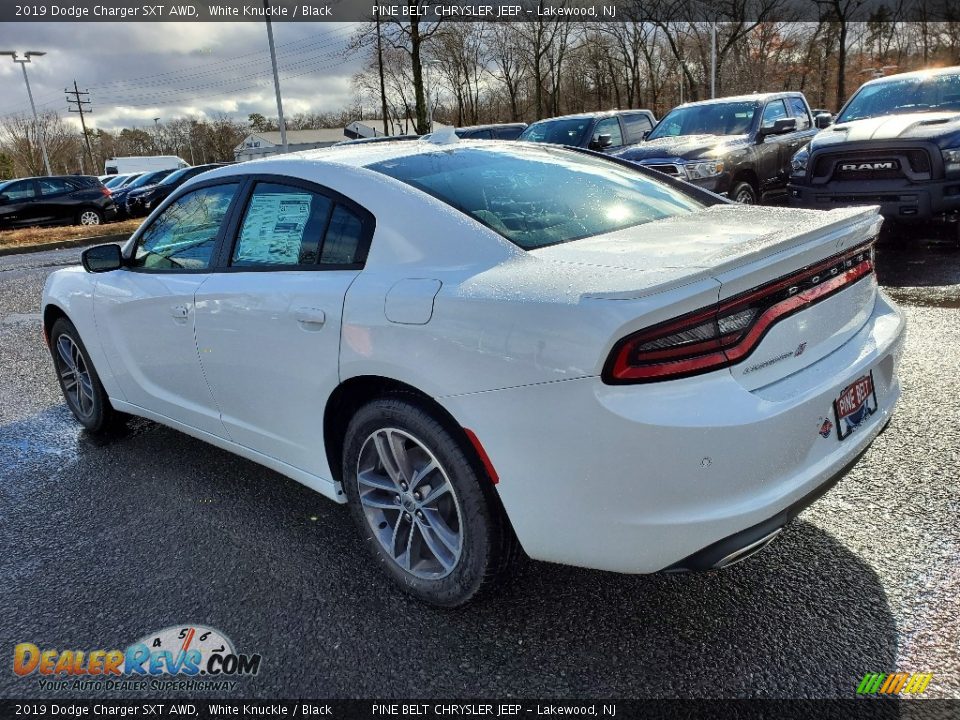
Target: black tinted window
pixel 635 126
pixel 540 196
pixel 800 112
pixel 283 225
pixel 183 236
pixel 344 238
pixel 54 186
pixel 19 190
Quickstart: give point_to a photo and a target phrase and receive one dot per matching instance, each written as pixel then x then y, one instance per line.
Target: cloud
pixel 138 71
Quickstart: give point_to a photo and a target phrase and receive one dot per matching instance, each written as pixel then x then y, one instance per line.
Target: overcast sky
pixel 138 71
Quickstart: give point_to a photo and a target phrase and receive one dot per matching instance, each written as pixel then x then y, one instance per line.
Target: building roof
pixel 294 137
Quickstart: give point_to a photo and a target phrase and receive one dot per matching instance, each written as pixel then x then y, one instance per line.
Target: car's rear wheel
pixel 89 216
pixel 78 379
pixel 744 193
pixel 419 501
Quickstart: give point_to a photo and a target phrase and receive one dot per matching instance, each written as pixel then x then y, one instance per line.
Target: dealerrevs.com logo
pixel 182 657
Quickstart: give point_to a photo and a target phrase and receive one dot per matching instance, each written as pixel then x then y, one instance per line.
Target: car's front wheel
pixel 744 193
pixel 78 379
pixel 418 499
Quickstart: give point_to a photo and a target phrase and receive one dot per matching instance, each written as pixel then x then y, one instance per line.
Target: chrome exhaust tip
pixel 746 551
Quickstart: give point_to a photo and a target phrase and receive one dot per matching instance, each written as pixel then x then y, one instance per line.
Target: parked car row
pixel 88 200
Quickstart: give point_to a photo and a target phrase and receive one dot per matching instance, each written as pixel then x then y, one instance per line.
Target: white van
pixel 143 163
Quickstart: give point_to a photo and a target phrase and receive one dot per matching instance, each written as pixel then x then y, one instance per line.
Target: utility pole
pixel 79 105
pixel 36 120
pixel 383 86
pixel 276 78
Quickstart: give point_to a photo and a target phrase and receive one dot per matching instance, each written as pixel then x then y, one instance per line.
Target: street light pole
pixel 430 80
pixel 276 77
pixel 713 60
pixel 36 119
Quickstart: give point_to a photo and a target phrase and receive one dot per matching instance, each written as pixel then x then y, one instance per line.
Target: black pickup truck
pixel 896 144
pixel 737 146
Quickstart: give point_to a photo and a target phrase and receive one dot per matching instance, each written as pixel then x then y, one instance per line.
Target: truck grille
pixel 913 163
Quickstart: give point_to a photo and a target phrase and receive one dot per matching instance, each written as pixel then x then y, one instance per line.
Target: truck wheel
pixel 744 193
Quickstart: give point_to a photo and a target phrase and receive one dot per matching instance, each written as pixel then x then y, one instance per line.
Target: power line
pixel 78 104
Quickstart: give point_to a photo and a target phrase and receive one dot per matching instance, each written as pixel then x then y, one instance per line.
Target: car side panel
pixel 71 290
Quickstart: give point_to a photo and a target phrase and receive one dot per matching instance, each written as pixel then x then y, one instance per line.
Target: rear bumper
pixel 898 199
pixel 642 478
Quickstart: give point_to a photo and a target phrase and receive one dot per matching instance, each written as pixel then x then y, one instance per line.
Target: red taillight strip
pixel 791 305
pixel 733 347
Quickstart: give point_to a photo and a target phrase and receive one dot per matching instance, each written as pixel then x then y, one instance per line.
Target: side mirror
pixel 601 142
pixel 102 258
pixel 644 135
pixel 779 127
pixel 823 120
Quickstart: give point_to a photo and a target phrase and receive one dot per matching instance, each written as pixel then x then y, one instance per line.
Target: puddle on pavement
pixel 936 297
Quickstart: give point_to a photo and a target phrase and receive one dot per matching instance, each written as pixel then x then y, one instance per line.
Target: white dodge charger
pixel 480 346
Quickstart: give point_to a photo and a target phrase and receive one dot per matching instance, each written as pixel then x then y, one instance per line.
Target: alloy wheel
pixel 75 376
pixel 410 504
pixel 89 217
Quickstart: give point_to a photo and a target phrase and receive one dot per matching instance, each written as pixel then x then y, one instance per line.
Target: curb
pixel 63 244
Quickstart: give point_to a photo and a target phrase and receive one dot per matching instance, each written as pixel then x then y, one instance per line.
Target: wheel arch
pixel 749 175
pixel 351 394
pixel 51 313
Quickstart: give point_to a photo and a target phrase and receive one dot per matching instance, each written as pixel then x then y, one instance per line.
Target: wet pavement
pixel 106 540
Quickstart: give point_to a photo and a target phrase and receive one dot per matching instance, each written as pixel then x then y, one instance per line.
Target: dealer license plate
pixel 856 403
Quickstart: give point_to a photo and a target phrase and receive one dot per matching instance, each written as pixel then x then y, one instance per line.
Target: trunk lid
pixel 743 248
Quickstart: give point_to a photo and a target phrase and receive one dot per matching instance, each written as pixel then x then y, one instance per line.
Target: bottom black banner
pixel 863 708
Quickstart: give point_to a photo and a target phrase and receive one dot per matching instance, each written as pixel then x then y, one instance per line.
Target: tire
pixel 79 382
pixel 89 216
pixel 743 193
pixel 442 551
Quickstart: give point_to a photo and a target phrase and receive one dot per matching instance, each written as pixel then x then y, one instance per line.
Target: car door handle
pixel 180 312
pixel 310 316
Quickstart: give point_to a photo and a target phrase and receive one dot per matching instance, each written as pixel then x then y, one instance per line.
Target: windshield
pixel 557 132
pixel 733 118
pixel 149 179
pixel 116 181
pixel 538 197
pixel 904 95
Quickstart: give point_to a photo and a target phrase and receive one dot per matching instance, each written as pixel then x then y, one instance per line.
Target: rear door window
pixel 54 186
pixel 283 225
pixel 801 113
pixel 635 126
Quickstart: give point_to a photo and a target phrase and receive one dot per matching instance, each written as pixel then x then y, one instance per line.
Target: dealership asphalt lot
pixel 104 541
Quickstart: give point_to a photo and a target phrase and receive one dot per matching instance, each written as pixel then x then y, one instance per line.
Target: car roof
pixel 493 126
pixel 362 156
pixel 750 97
pixel 929 72
pixel 597 114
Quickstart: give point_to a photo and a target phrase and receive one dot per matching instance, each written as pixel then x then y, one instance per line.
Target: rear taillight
pixel 725 334
pixel 106 191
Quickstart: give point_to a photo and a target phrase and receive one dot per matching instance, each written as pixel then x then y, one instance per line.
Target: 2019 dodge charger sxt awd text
pixel 476 343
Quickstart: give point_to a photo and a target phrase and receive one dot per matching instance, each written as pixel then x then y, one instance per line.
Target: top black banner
pixel 431 11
